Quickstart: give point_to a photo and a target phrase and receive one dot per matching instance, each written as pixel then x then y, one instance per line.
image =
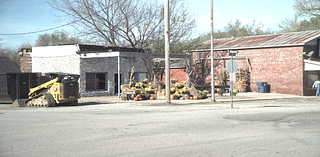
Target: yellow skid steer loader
pixel 64 89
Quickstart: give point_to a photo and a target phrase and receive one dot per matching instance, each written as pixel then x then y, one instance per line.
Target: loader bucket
pixel 18 103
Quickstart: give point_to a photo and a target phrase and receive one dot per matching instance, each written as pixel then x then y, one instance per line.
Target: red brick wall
pixel 281 67
pixel 201 69
pixel 179 74
pixel 25 62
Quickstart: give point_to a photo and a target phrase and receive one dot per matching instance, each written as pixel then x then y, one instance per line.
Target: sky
pixel 23 16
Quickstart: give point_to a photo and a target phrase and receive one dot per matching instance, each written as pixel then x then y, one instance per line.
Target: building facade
pixel 288 62
pixel 98 66
pixel 102 69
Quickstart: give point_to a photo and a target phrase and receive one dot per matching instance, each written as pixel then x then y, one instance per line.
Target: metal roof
pixel 96 48
pixel 260 41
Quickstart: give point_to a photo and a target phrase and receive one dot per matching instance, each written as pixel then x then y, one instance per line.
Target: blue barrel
pixel 262 87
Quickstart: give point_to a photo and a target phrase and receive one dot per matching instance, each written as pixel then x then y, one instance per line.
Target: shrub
pixel 179 85
pixel 203 94
pixel 220 92
pixel 173 80
pixel 176 95
pixel 145 80
pixel 149 91
pixel 139 85
pixel 235 92
pixel 172 90
pixel 184 90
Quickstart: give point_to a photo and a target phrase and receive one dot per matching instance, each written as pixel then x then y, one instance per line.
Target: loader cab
pixel 68 78
pixel 66 88
pixel 70 86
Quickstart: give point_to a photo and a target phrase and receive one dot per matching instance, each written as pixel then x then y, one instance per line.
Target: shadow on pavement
pixel 91 103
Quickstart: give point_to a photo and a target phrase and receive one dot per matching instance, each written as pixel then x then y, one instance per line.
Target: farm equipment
pixel 63 89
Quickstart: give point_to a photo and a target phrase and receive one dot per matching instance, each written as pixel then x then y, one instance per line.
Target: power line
pixel 47 29
pixel 41 30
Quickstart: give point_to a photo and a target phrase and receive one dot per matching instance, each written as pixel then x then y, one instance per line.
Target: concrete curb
pixel 208 100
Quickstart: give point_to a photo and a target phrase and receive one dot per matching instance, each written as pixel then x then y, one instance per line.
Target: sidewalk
pixel 249 96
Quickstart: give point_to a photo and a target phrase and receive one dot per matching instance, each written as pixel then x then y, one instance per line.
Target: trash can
pixel 262 87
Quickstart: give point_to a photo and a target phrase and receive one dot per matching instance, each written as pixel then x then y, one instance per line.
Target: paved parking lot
pixel 97 127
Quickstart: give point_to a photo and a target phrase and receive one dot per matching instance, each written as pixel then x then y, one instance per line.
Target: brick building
pixel 177 69
pixel 98 66
pixel 282 60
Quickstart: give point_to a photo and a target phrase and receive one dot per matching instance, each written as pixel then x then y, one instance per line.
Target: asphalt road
pixel 256 128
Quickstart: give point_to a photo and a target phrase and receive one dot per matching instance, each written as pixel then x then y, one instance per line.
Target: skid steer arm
pixel 33 91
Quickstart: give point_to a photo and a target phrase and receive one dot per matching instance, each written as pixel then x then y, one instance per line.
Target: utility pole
pixel 167 47
pixel 231 81
pixel 213 97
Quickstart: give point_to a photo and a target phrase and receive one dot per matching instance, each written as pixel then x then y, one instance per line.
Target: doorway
pixel 116 82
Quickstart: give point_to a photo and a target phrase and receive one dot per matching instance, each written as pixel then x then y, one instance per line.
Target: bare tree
pixel 118 22
pixel 134 23
pixel 308 8
pixel 307 17
pixel 201 69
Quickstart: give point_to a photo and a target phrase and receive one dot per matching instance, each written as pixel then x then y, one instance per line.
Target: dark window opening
pixel 90 77
pixel 101 85
pixel 96 81
pixel 101 81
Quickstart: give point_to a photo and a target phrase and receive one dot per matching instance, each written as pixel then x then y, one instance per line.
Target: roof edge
pixel 313 38
pixel 253 47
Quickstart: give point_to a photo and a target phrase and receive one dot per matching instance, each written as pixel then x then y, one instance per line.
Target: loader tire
pixel 50 99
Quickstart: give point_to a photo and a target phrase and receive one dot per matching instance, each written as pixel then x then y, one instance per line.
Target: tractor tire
pixel 50 99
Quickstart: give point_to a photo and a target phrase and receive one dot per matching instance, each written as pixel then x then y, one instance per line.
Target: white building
pixel 98 66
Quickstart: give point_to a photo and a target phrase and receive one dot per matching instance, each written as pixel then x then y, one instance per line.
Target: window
pixel 139 75
pixel 96 81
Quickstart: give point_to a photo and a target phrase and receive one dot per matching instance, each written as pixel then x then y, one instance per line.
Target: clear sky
pixel 23 16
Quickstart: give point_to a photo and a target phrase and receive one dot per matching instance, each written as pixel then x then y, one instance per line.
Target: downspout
pixel 119 61
pixel 190 70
